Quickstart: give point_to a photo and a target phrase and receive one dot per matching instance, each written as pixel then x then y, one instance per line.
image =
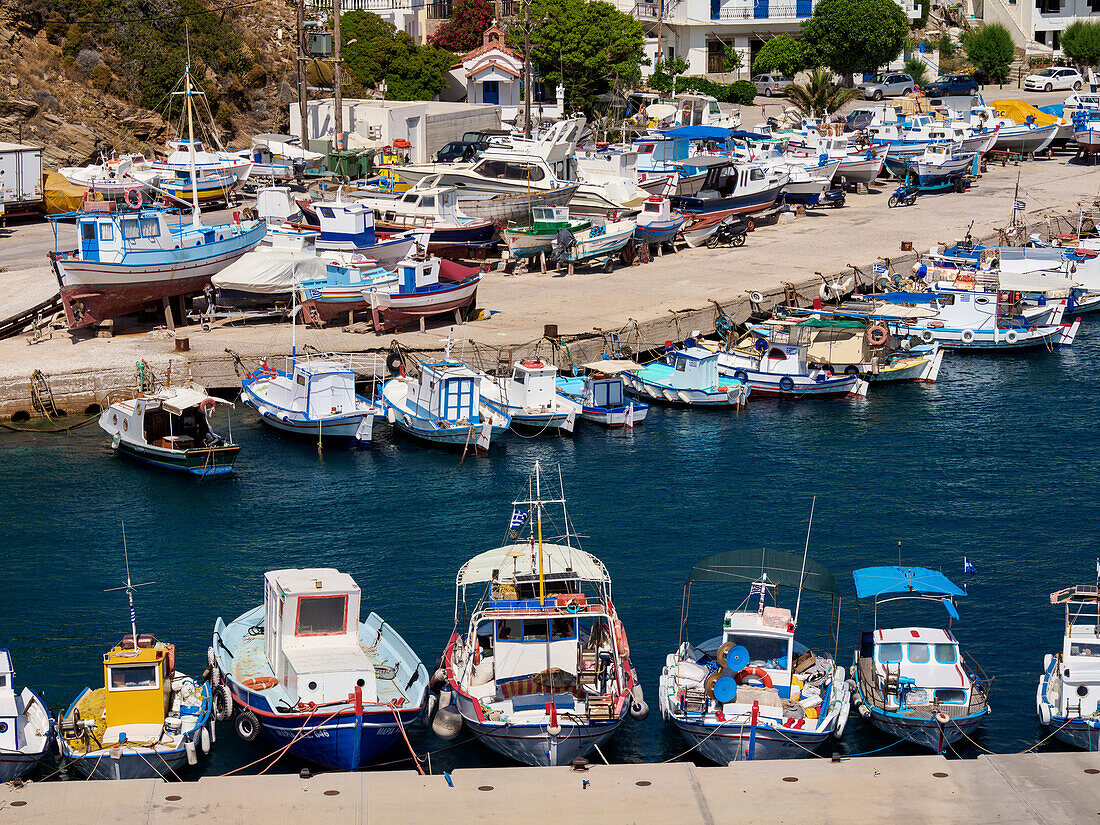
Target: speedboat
pixel 689 377
pixel 113 177
pixel 754 691
pixel 171 430
pixel 601 392
pixel 938 165
pixel 732 187
pixel 1069 689
pixel 595 242
pixel 541 671
pixel 281 157
pixel 429 210
pixel 913 683
pixel 529 397
pixel 26 727
pixel 302 671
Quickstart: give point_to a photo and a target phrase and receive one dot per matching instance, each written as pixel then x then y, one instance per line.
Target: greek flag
pixel 1019 206
pixel 757 589
pixel 519 518
pixel 880 269
pixel 968 567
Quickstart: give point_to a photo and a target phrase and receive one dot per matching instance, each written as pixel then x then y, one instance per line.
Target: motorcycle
pixel 904 195
pixel 732 231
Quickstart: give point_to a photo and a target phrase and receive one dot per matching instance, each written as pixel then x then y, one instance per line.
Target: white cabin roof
pixel 309 580
pixel 321 367
pixel 556 558
pixel 903 635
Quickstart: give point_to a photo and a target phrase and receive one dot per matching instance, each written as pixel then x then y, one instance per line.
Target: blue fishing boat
pixel 741 188
pixel 304 673
pixel 657 223
pixel 937 166
pixel 602 394
pixel 913 683
pixel 341 290
pixel 754 691
pixel 26 727
pixel 687 376
pixel 442 405
pixel 1069 689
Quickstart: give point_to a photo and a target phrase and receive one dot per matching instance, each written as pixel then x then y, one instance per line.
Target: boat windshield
pixel 763 650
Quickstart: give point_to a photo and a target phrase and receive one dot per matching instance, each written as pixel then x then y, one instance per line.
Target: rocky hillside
pixel 77 73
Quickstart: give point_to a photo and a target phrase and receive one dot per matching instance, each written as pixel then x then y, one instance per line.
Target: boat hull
pixel 14 765
pixel 733 397
pixel 771 385
pixel 341 427
pixel 616 417
pixel 1025 140
pixel 659 231
pixel 732 745
pixel 203 462
pixel 737 204
pixel 928 733
pixel 434 431
pixel 146 765
pixel 532 745
pixel 923 369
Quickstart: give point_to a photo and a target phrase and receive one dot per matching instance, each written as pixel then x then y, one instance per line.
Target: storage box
pixel 778 617
pixel 805 662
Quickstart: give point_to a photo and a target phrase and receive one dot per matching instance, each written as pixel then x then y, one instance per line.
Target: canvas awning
pixel 613 366
pixel 699 132
pixel 704 161
pixel 1034 281
pixel 878 581
pixel 524 560
pixel 184 398
pixel 747 566
pixel 900 312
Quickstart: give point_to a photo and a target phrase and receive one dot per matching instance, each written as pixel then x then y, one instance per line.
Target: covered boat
pixel 281 157
pixel 1069 689
pixel 754 691
pixel 687 376
pixel 26 727
pixel 913 683
pixel 302 671
pixel 601 392
pixel 540 668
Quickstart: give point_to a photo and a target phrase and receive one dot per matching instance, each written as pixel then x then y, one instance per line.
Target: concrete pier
pixel 1052 789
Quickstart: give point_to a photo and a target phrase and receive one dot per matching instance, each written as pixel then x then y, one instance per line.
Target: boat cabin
pixel 10 729
pixel 138 678
pixel 174 418
pixel 655 210
pixel 275 204
pixel 767 637
pixel 550 214
pixel 319 387
pixel 344 225
pixel 108 236
pixel 693 368
pixel 311 635
pixel 449 391
pixel 725 178
pixel 519 168
pixel 1079 662
pixel 784 359
pixel 603 390
pixel 914 666
pixel 417 275
pixel 533 385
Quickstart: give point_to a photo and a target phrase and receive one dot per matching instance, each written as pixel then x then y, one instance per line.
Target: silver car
pixel 771 84
pixel 887 84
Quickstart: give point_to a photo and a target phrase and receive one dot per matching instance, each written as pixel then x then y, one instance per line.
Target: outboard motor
pixel 564 243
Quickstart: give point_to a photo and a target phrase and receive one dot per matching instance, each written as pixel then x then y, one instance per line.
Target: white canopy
pixel 901 312
pixel 556 558
pixel 178 399
pixel 613 366
pixel 1036 281
pixel 269 271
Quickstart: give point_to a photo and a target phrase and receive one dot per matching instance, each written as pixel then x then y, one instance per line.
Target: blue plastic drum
pixel 737 658
pixel 725 689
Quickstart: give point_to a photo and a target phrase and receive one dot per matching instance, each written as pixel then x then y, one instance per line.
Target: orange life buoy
pixel 207 406
pixel 877 335
pixel 131 203
pixel 260 683
pixel 620 638
pixel 965 280
pixel 533 364
pixel 753 670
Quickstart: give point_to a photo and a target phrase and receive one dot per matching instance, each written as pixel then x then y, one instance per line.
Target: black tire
pixel 1077 86
pixel 839 202
pixel 960 185
pixel 222 703
pixel 713 242
pixel 741 375
pixel 851 369
pixel 893 201
pixel 393 363
pixel 876 94
pixel 767 92
pixel 1049 87
pixel 973 91
pixel 739 240
pixel 247 725
pixel 907 92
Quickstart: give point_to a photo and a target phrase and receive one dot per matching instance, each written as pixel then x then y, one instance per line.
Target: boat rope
pixel 152 767
pixel 78 425
pixel 281 750
pixel 700 742
pixel 91 773
pixel 405 736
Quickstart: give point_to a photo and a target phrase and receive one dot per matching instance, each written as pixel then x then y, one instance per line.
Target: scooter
pixel 733 231
pixel 833 197
pixel 904 195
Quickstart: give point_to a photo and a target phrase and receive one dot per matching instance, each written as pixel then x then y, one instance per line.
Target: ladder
pixel 42 395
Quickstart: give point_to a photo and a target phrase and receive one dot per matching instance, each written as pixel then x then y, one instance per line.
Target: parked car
pixel 951 84
pixel 1054 77
pixel 887 84
pixel 771 84
pixel 456 151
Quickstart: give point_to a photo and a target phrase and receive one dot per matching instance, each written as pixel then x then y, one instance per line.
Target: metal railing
pixel 766 11
pixel 440 10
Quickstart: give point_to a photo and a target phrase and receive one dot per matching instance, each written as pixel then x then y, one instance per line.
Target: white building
pixel 409 16
pixel 1036 25
pixel 699 30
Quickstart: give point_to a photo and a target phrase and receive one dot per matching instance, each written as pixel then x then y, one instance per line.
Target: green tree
pixel 916 69
pixel 585 46
pixel 990 48
pixel 380 52
pixel 819 96
pixel 854 36
pixel 731 58
pixel 1081 43
pixel 462 32
pixel 781 53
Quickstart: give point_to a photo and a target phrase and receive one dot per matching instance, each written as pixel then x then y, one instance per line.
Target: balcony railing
pixel 440 10
pixel 369 5
pixel 764 10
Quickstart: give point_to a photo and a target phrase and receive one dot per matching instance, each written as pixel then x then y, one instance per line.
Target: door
pixel 89 245
pixel 490 92
pixel 760 9
pixel 804 8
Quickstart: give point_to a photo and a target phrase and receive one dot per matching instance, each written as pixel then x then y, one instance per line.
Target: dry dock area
pixel 1052 789
pixel 648 303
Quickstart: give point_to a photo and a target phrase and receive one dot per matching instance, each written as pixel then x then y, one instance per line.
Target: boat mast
pixel 129 588
pixel 538 505
pixel 191 135
pixel 805 551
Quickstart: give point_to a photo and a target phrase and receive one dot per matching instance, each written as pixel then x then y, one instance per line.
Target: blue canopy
pixel 741 135
pixel 907 297
pixel 699 132
pixel 877 581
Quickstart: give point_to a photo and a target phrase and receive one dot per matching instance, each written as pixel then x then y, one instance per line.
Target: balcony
pixel 761 10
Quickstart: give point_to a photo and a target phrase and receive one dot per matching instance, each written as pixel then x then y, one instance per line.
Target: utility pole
pixel 303 103
pixel 337 77
pixel 660 28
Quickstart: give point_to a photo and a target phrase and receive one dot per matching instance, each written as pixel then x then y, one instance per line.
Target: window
pixel 321 615
pixel 646 148
pixel 535 630
pixel 563 629
pixel 763 651
pixel 946 655
pixel 776 354
pixel 87 231
pixel 509 630
pixel 150 227
pixel 4 681
pixel 681 364
pixel 301 379
pixel 521 376
pixel 1084 650
pixel 429 200
pixel 954 696
pixel 889 654
pixel 131 677
pixel 131 229
pixel 918 653
pixel 326 212
pixel 106 232
pixel 458 398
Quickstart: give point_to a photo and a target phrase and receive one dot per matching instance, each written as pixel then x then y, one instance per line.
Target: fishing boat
pixel 187 154
pixel 426 209
pixel 601 392
pixel 340 291
pixel 348 226
pixel 530 398
pixel 687 376
pixel 755 691
pixel 113 177
pixel 938 165
pixel 912 683
pixel 149 720
pixel 657 223
pixel 424 288
pixel 170 429
pixel 540 670
pixel 1069 689
pixel 782 370
pixel 281 157
pixel 598 241
pixel 304 673
pixel 206 186
pixel 1086 130
pixel 26 727
pixel 442 405
pixel 1022 138
pixel 537 236
pixel 741 188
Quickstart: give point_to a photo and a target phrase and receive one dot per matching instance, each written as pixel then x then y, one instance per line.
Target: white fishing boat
pixel 601 392
pixel 26 727
pixel 539 669
pixel 530 397
pixel 687 376
pixel 114 177
pixel 280 157
pixel 1069 689
pixel 598 241
pixel 783 370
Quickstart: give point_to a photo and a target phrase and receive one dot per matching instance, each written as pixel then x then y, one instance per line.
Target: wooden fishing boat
pixel 26 727
pixel 657 223
pixel 688 377
pixel 530 397
pixel 537 237
pixel 424 288
pixel 601 392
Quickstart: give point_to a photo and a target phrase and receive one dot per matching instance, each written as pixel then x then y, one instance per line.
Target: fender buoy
pixel 247 725
pixel 786 383
pixel 222 703
pixel 1044 713
pixel 927 336
pixel 1012 336
pixel 877 335
pixel 967 336
pixel 741 375
pixel 756 297
pixel 753 670
pixel 842 719
pixel 204 741
pixel 393 363
pixel 260 683
pixel 942 718
pixel 135 203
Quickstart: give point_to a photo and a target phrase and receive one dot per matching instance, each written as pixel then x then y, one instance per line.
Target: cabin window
pixel 131 229
pixel 429 200
pixel 326 212
pixel 646 149
pixel 106 232
pixel 1084 650
pixel 756 174
pixel 889 654
pixel 321 615
pixel 777 354
pixel 150 227
pixel 535 630
pixel 981 300
pixel 954 696
pixel 608 394
pixel 87 231
pixel 509 630
pixel 4 679
pixel 521 377
pixel 301 380
pixel 563 629
pixel 918 653
pixel 762 649
pixel 681 364
pixel 945 654
pixel 133 677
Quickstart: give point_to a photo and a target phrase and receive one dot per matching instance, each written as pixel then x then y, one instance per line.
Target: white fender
pixel 1012 336
pixel 204 741
pixel 927 336
pixel 192 755
pixel 1044 713
pixel 842 719
pixel 553 730
pixel 967 336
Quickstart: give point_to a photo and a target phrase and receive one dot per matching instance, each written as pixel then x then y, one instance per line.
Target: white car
pixel 1053 78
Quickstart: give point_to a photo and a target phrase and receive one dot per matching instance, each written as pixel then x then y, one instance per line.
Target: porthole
pixel 114 419
pixel 360 682
pixel 312 686
pixel 3 727
pixel 125 424
pixel 1082 690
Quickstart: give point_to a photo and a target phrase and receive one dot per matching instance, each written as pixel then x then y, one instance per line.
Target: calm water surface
pixel 997 462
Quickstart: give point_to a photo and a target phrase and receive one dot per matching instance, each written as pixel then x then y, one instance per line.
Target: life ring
pixel 741 375
pixel 877 335
pixel 1012 336
pixel 753 670
pixel 786 383
pixel 260 683
pixel 927 336
pixel 1016 297
pixel 967 336
pixel 533 364
pixel 965 280
pixel 171 660
pixel 130 203
pixel 571 601
pixel 756 297
pixel 620 638
pixel 207 406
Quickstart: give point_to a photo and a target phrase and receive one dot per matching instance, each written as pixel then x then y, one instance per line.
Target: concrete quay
pixel 647 304
pixel 1045 789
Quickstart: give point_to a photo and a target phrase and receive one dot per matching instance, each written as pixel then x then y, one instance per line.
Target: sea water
pixel 996 463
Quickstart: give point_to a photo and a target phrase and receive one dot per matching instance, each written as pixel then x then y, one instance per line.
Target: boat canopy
pixel 523 559
pixel 1028 282
pixel 908 297
pixel 878 581
pixel 782 568
pixel 184 398
pixel 705 161
pixel 846 323
pixel 613 366
pixel 699 132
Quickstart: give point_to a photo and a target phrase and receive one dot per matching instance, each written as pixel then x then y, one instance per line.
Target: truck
pixel 21 179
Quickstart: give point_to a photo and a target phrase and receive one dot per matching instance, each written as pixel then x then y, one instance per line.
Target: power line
pixel 150 18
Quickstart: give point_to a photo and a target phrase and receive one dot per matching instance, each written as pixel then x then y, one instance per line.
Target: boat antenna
pixel 129 588
pixel 191 126
pixel 805 551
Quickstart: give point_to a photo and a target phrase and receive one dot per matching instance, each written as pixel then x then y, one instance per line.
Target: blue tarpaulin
pixel 876 581
pixel 907 297
pixel 699 132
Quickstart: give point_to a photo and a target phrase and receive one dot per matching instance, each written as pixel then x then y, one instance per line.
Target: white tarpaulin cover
pixel 269 271
pixel 900 311
pixel 612 366
pixel 178 399
pixel 1034 281
pixel 556 558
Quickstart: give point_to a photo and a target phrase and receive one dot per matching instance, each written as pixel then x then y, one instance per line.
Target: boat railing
pixel 976 703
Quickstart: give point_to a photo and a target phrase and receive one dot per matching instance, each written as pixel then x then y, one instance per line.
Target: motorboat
pixel 913 683
pixel 1020 138
pixel 171 430
pixel 687 376
pixel 26 727
pixel 185 153
pixel 782 370
pixel 1069 689
pixel 530 398
pixel 431 209
pixel 539 669
pixel 281 157
pixel 731 187
pixel 597 241
pixel 303 672
pixel 538 235
pixel 114 177
pixel 755 691
pixel 348 226
pixel 938 165
pixel 424 288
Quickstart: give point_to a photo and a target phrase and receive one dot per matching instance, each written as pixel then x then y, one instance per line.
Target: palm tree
pixel 916 69
pixel 819 96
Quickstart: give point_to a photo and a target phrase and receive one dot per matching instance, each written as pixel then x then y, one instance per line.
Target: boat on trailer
pixel 754 691
pixel 26 727
pixel 1068 698
pixel 912 683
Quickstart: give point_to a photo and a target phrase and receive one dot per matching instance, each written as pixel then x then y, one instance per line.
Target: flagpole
pixel 538 504
pixel 805 551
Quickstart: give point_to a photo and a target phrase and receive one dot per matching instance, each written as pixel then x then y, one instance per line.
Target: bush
pixel 743 92
pixel 101 77
pixel 87 60
pixel 917 69
pixel 990 48
pixel 946 45
pixel 690 83
pixel 255 77
pixel 781 53
pixel 463 31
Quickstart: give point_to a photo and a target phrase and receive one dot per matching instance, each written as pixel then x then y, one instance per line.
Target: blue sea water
pixel 997 462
